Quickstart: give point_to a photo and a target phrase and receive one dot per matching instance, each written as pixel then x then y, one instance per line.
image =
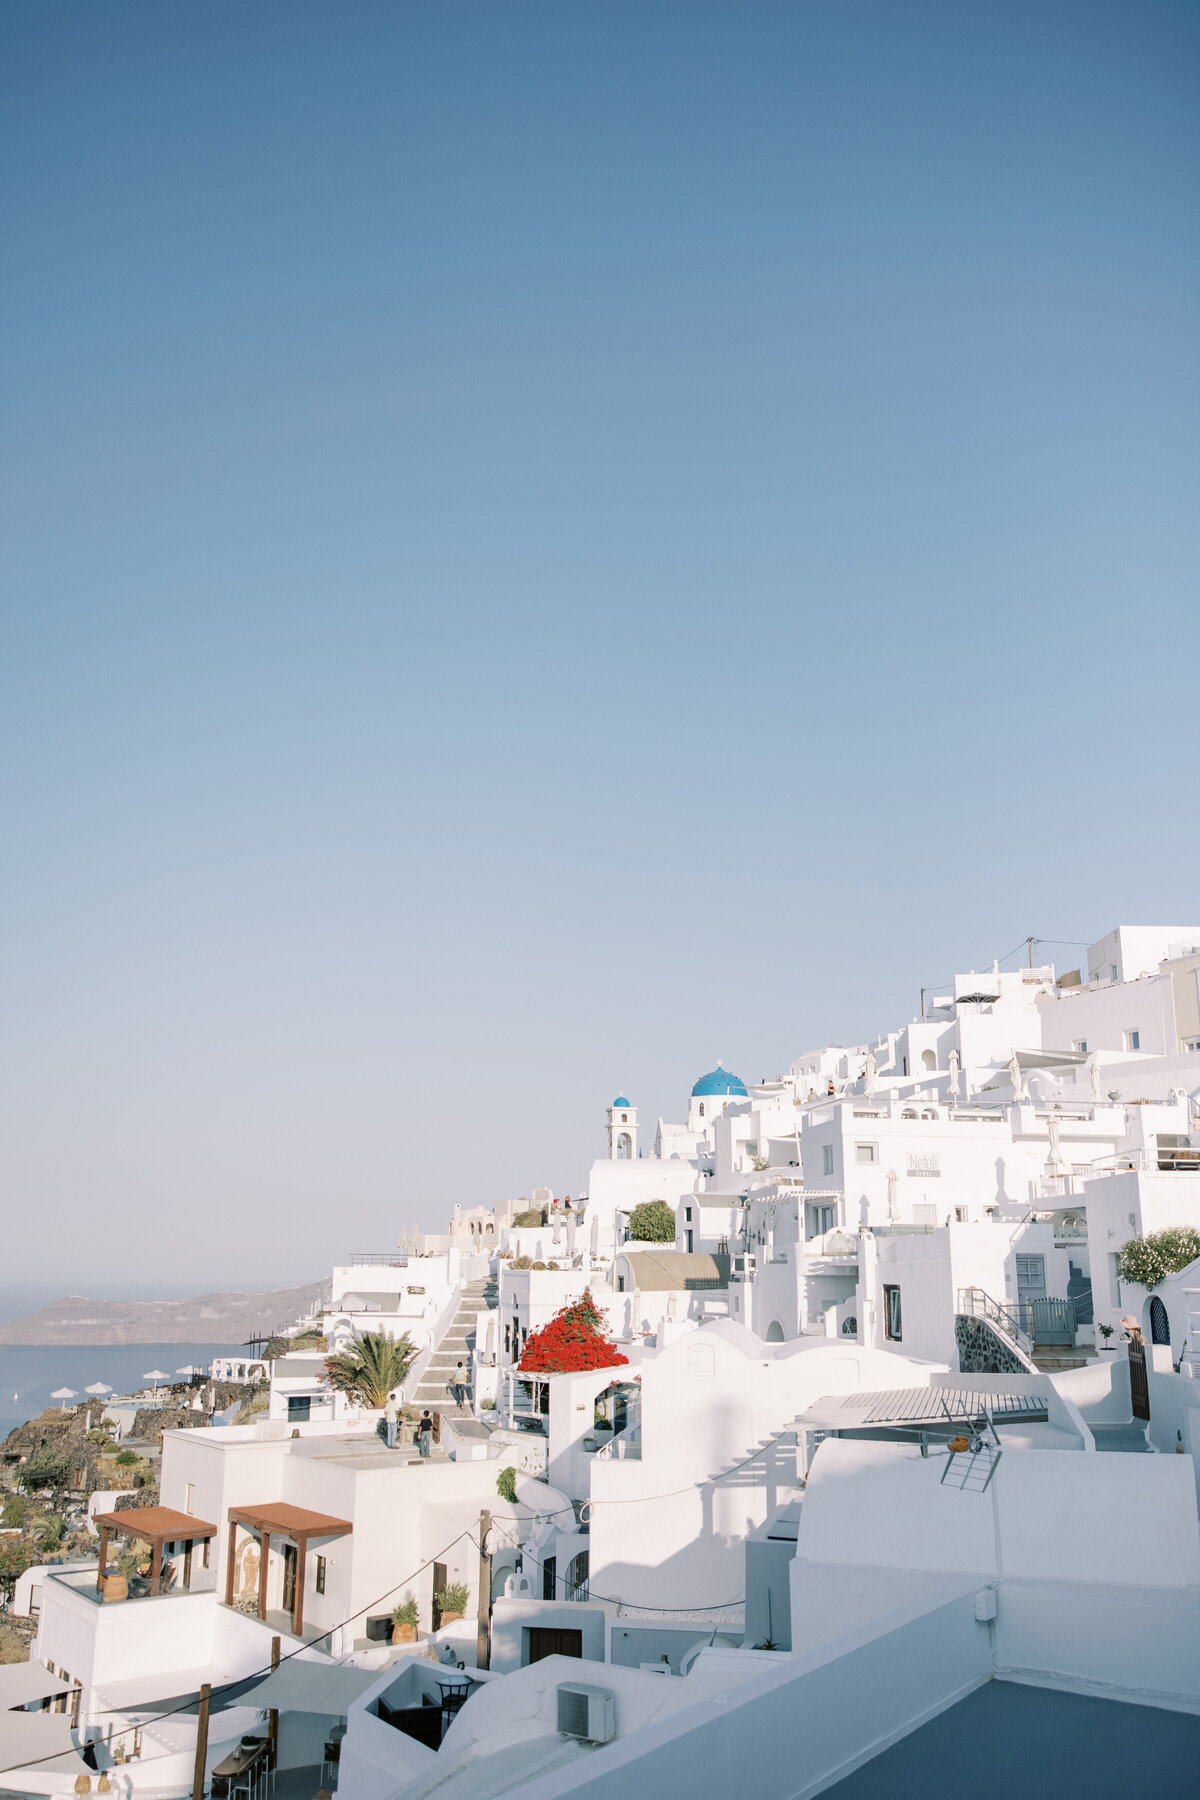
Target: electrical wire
pixel 612 1599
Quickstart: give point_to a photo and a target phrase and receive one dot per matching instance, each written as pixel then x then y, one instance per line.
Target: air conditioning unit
pixel 587 1713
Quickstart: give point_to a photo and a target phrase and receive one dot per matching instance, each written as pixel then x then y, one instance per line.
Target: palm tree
pixel 48 1536
pixel 372 1366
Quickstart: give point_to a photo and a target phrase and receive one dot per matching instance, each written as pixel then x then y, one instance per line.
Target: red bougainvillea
pixel 573 1340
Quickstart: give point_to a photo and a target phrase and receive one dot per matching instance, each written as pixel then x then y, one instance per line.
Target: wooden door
pixel 289 1578
pixel 439 1588
pixel 545 1642
pixel 1139 1388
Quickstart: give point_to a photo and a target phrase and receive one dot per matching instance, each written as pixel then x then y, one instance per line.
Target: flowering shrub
pixel 1149 1260
pixel 573 1340
pixel 652 1222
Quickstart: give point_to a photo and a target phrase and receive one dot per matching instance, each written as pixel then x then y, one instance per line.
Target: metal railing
pixel 391 1259
pixel 974 1302
pixel 1046 1320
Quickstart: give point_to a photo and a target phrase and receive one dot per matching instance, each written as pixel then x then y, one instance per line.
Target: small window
pixel 892 1321
pixel 1112 969
pixel 299 1407
pixel 1081 1046
pixel 827 1159
pixel 688 1237
pixel 960 1215
pixel 866 1153
pixel 206 1553
pixel 687 1213
pixel 620 1284
pixel 1133 1040
pixel 904 1065
pixel 702 1109
pixel 1192 1044
pixel 189 1497
pixel 319 1582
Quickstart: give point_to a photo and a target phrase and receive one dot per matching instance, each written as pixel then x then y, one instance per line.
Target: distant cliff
pixel 208 1319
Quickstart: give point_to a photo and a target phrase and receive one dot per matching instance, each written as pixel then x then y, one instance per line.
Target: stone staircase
pixel 455 1346
pixel 1056 1359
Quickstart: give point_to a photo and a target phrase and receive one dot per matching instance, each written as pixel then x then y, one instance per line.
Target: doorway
pixel 289 1578
pixel 1139 1387
pixel 545 1642
pixel 439 1588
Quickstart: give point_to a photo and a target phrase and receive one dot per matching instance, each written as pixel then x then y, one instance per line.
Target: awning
pixel 41 1738
pixel 303 1686
pixel 283 1520
pixel 1051 1059
pixel 157 1524
pixel 921 1408
pixel 22 1682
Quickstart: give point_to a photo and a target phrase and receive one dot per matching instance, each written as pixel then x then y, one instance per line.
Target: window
pixel 549 1578
pixel 866 1153
pixel 827 1159
pixel 319 1582
pixel 206 1553
pixel 189 1497
pixel 1133 1040
pixel 688 1239
pixel 904 1065
pixel 960 1215
pixel 1192 1044
pixel 702 1109
pixel 299 1407
pixel 891 1314
pixel 687 1213
pixel 1112 969
pixel 1081 1046
pixel 924 1213
pixel 620 1284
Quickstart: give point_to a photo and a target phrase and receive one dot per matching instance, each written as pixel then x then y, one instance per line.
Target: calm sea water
pixel 29 1373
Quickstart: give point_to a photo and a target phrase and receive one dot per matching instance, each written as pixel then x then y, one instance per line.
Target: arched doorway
pixel 929 1060
pixel 1160 1324
pixel 624 1146
pixel 577 1577
pixel 774 1332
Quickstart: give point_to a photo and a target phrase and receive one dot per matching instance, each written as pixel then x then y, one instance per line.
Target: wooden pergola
pixel 293 1523
pixel 156 1526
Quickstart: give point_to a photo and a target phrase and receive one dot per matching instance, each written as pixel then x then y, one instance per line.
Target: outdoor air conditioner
pixel 587 1713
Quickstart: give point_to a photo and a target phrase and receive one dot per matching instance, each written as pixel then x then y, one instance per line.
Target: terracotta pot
pixel 404 1634
pixel 448 1618
pixel 116 1587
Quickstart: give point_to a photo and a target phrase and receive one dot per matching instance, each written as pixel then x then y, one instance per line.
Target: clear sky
pixel 547 544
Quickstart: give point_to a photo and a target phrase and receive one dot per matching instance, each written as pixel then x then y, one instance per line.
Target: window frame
pixel 893 1313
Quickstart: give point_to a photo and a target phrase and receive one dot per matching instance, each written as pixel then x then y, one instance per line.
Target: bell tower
pixel 622 1130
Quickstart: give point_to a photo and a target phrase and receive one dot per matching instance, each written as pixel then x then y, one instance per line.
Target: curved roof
pixel 621 1101
pixel 718 1081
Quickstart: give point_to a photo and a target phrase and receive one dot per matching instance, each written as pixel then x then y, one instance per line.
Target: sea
pixel 29 1373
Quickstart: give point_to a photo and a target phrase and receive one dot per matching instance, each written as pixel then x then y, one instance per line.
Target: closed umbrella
pixel 156 1375
pixel 63 1394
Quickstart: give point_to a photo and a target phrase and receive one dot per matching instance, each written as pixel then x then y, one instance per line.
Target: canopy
pixel 21 1682
pixel 64 1393
pixel 302 1686
pixel 34 1737
pixel 97 1387
pixel 156 1375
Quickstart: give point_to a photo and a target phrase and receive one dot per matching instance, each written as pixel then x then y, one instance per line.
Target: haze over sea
pixel 29 1373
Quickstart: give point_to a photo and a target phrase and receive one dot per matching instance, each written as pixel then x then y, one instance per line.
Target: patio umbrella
pixel 63 1394
pixel 156 1375
pixel 98 1387
pixel 188 1370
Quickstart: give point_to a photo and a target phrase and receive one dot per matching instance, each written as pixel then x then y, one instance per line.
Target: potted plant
pixel 452 1602
pixel 1106 1332
pixel 404 1622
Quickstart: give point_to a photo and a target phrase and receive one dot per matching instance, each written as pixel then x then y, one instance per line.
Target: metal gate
pixel 1139 1391
pixel 1053 1321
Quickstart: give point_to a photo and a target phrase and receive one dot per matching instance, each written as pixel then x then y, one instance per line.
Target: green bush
pixel 652 1222
pixel 125 1459
pixel 453 1598
pixel 506 1485
pixel 45 1469
pixel 406 1613
pixel 1147 1261
pixel 529 1221
pixel 14 1511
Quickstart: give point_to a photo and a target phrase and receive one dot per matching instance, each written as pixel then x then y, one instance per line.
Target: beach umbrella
pixel 63 1394
pixel 189 1370
pixel 98 1388
pixel 156 1375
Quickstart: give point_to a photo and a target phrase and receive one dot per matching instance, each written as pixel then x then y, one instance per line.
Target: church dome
pixel 621 1101
pixel 719 1081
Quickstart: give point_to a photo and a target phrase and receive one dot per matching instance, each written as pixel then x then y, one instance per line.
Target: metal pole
pixel 922 1002
pixel 483 1631
pixel 201 1742
pixel 1030 942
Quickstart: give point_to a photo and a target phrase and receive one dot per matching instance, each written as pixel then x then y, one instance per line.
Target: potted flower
pixel 1106 1332
pixel 452 1602
pixel 404 1622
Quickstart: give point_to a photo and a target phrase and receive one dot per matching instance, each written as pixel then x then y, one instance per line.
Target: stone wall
pixel 981 1351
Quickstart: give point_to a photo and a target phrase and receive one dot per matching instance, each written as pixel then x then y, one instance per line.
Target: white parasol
pixel 97 1388
pixel 63 1394
pixel 156 1375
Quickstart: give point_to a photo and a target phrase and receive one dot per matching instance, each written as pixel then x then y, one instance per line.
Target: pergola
pixel 280 1519
pixel 156 1526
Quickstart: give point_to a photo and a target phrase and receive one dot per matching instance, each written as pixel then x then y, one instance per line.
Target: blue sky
pixel 545 545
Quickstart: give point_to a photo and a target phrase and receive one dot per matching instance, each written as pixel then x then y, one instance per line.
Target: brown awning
pixel 282 1520
pixel 157 1525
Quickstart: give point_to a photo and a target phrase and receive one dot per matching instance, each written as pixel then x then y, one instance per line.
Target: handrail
pixel 980 1305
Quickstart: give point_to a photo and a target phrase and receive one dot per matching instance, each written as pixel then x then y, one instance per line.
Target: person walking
pixel 458 1386
pixel 424 1433
pixel 389 1420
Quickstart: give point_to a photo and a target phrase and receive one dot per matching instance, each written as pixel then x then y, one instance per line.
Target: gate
pixel 1139 1391
pixel 1053 1321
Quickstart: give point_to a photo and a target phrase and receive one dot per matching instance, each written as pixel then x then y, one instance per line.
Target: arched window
pixel 929 1060
pixel 577 1577
pixel 774 1332
pixel 850 1326
pixel 908 1114
pixel 702 1359
pixel 702 1109
pixel 1160 1324
pixel 624 1146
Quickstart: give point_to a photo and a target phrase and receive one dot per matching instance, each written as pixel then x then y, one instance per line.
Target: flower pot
pixel 449 1618
pixel 404 1634
pixel 116 1587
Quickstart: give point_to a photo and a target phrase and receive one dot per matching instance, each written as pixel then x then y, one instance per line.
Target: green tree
pixel 652 1222
pixel 48 1536
pixel 44 1469
pixel 15 1558
pixel 371 1367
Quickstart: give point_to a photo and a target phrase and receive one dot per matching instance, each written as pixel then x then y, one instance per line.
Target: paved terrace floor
pixel 1010 1742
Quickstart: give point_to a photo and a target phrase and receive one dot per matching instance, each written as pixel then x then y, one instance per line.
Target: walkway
pixel 454 1347
pixel 1010 1742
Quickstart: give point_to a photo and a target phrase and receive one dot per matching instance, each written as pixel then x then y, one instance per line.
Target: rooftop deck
pixel 1007 1739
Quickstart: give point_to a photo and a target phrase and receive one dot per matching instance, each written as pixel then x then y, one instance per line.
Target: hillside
pixel 205 1319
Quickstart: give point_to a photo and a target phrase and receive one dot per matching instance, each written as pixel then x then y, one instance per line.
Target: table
pixel 245 1760
pixel 454 1689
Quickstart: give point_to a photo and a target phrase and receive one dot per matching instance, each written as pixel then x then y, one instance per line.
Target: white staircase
pixel 454 1347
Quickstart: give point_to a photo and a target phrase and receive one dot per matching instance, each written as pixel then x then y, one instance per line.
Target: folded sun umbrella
pixel 63 1394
